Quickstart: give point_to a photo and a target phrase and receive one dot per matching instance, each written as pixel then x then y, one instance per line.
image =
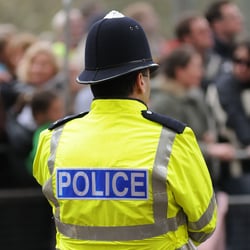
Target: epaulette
pixel 66 119
pixel 164 120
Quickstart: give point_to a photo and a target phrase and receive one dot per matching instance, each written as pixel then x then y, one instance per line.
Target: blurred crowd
pixel 203 80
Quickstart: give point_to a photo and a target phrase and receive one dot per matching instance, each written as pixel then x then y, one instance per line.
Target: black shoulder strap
pixel 164 120
pixel 65 120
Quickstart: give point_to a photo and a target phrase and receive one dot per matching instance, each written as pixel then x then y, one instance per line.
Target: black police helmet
pixel 115 46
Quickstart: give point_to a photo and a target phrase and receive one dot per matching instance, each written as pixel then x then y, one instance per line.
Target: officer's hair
pixel 183 26
pixel 178 58
pixel 213 12
pixel 121 86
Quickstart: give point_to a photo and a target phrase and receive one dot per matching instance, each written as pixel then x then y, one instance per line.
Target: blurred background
pixel 36 16
pixel 41 54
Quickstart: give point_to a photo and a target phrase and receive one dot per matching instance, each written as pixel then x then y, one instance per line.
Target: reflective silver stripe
pixel 205 218
pixel 47 187
pixel 53 146
pixel 48 192
pixel 159 181
pixel 189 246
pixel 161 224
pixel 199 236
pixel 122 233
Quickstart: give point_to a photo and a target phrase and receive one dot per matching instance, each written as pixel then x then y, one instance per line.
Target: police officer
pixel 121 176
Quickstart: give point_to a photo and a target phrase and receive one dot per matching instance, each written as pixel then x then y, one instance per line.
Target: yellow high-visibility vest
pixel 122 177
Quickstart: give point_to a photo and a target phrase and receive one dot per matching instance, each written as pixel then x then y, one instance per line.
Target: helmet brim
pixel 101 75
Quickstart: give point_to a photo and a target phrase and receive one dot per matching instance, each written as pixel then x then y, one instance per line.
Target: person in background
pixel 77 27
pixel 193 29
pixel 7 31
pixel 226 22
pixel 121 160
pixel 179 94
pixel 231 104
pixel 16 48
pixel 233 94
pixel 38 70
pixel 47 107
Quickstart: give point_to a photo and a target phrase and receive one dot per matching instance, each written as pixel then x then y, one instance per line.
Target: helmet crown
pixel 116 45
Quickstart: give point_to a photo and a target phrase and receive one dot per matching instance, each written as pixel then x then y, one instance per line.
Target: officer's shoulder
pixel 66 119
pixel 164 120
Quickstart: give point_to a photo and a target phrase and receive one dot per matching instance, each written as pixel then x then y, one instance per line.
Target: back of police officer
pixel 122 177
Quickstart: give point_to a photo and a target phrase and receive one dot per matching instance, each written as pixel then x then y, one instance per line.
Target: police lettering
pixel 101 184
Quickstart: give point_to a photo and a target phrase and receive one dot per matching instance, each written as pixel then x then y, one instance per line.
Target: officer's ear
pixel 140 83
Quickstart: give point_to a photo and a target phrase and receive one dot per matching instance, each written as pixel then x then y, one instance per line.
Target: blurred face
pixel 41 69
pixel 232 20
pixel 190 75
pixel 77 28
pixel 241 64
pixel 200 35
pixel 149 21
